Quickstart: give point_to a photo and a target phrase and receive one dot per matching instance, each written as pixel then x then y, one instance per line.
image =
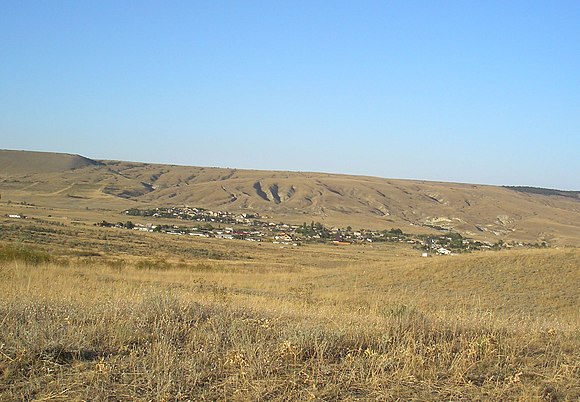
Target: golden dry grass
pixel 310 323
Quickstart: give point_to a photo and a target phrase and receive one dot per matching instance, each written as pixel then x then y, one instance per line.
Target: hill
pixel 21 162
pixel 480 211
pixel 545 191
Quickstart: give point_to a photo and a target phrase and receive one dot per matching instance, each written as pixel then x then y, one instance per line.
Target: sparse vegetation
pixel 217 330
pixel 9 253
pixel 545 191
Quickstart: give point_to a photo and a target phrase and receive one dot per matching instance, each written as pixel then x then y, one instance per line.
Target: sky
pixel 480 92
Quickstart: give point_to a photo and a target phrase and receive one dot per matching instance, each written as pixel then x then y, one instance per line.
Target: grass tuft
pixel 25 254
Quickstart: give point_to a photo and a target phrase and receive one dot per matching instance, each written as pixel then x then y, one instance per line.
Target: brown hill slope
pixel 19 162
pixel 487 212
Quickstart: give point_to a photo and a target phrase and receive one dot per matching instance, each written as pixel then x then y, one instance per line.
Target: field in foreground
pixel 310 323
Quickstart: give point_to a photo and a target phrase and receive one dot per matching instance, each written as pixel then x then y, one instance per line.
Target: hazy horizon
pixel 472 93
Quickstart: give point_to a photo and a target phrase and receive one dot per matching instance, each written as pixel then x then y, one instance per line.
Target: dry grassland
pixel 263 323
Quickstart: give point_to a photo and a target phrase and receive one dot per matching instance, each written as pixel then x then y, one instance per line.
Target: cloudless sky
pixel 478 92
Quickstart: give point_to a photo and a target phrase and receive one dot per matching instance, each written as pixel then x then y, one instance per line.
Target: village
pixel 255 228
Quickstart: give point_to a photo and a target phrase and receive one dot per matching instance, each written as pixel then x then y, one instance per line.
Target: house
pixel 444 251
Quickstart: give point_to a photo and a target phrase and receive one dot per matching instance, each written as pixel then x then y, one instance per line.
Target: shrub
pixel 24 254
pixel 158 265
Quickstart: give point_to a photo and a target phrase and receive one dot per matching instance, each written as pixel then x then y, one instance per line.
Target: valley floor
pixel 93 313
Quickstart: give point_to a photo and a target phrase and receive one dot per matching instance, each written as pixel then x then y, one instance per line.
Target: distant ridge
pixel 545 191
pixel 485 212
pixel 48 162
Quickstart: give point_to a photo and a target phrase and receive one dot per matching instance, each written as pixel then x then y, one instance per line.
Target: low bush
pixel 25 254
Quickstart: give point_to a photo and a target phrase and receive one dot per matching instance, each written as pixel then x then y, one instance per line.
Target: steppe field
pixel 91 313
pixel 290 201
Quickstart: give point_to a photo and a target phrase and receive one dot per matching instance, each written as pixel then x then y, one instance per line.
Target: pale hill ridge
pixel 18 162
pixel 481 211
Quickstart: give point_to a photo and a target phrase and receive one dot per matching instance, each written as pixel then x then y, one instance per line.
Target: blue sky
pixel 478 92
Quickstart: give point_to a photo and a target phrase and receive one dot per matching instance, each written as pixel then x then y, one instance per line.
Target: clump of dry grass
pixel 11 252
pixel 93 331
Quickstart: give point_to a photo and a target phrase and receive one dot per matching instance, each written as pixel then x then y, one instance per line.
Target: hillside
pixel 314 322
pixel 545 191
pixel 20 162
pixel 487 212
